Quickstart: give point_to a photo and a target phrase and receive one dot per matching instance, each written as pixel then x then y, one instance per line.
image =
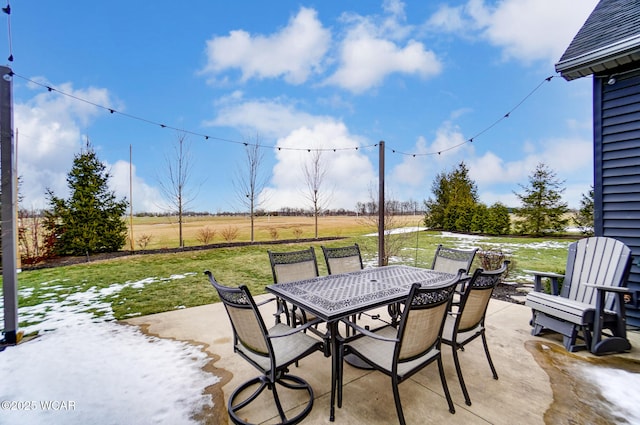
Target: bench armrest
pixel 618 289
pixel 537 280
pixel 543 274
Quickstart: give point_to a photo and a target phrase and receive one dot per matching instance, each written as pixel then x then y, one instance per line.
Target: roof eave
pixel 600 60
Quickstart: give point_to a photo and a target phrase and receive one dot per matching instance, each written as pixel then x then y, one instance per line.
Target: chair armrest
pixel 537 280
pixel 296 329
pixel 263 302
pixel 366 332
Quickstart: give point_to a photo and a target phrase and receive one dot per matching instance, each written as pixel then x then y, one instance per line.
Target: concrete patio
pixel 539 382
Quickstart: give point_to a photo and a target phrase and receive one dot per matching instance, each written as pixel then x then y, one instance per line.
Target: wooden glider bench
pixel 591 299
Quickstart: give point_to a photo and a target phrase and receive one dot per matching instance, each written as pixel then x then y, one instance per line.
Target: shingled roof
pixel 609 38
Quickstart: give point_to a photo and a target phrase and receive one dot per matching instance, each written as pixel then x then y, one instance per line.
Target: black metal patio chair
pixel 467 322
pixel 271 351
pixel 402 351
pixel 288 267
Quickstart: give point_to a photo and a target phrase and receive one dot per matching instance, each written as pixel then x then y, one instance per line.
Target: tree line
pixel 92 219
pixel 455 206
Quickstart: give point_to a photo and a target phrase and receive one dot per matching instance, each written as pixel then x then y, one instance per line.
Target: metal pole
pixel 131 195
pixel 382 261
pixel 8 210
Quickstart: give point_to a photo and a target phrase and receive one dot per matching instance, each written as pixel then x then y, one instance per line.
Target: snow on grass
pixel 94 370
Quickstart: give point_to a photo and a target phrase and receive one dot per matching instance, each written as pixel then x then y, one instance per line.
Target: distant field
pixel 163 232
pixel 134 285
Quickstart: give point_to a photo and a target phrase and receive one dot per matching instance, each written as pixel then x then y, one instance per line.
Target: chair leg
pixel 287 381
pixel 486 351
pixel 586 331
pixel 396 398
pixel 467 399
pixel 445 387
pixel 276 399
pixel 570 340
pixel 235 407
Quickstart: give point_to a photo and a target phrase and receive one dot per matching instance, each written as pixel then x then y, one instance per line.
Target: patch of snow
pixel 620 388
pixel 86 368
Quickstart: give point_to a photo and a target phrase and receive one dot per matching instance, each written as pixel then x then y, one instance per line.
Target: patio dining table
pixel 335 297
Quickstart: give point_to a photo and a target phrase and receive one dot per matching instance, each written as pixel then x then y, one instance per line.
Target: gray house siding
pixel 616 120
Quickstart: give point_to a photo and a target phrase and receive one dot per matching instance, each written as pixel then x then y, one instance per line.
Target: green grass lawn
pixel 145 284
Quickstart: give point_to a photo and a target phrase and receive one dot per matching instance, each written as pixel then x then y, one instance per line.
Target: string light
pixel 470 140
pixel 194 133
pixel 280 148
pixel 7 10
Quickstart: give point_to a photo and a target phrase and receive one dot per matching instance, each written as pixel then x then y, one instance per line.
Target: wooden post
pixel 131 196
pixel 382 261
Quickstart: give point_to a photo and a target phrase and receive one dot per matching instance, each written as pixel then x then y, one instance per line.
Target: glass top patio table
pixel 337 296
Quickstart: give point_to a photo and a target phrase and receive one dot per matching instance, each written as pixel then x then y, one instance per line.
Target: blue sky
pixel 424 76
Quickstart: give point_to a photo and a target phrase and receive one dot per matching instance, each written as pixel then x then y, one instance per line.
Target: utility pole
pixel 8 210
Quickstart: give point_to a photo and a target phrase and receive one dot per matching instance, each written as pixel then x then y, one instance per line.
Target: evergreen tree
pixel 542 208
pixel 456 197
pixel 91 220
pixel 498 220
pixel 479 221
pixel 584 217
pixel 435 208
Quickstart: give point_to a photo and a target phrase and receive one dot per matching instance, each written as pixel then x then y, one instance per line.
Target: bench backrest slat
pixel 597 260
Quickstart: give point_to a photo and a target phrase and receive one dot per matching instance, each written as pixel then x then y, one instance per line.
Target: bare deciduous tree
pixel 175 186
pixel 394 240
pixel 32 240
pixel 250 181
pixel 315 171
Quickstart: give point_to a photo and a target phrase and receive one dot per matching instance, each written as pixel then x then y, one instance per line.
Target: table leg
pixel 394 312
pixel 333 330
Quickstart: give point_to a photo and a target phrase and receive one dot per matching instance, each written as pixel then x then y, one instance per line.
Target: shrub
pixel 143 241
pixel 206 235
pixel 297 232
pixel 274 233
pixel 230 233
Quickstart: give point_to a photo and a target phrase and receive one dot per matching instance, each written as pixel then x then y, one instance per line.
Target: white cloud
pixel 345 164
pixel 413 176
pixel 294 52
pixel 412 171
pixel 495 176
pixel 373 48
pixel 555 153
pixel 570 159
pixel 273 118
pixel 525 30
pixel 145 197
pixel 48 128
pixel 367 56
pixel 49 136
pixel 508 198
pixel 448 19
